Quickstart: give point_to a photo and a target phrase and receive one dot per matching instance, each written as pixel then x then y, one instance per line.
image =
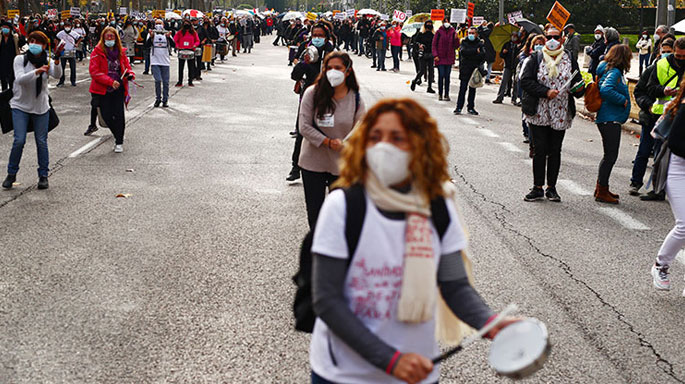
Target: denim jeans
pixel 644 62
pixel 161 75
pixel 147 60
pixel 20 120
pixel 487 77
pixel 361 45
pixel 444 73
pixel 396 51
pixel 643 152
pixel 380 53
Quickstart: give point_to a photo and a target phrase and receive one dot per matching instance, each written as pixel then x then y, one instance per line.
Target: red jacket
pixel 100 80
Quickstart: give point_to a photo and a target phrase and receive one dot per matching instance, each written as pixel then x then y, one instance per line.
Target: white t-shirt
pixel 69 39
pixel 159 52
pixel 372 290
pixel 223 31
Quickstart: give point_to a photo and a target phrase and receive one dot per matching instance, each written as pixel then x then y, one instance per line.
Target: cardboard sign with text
pixel 470 10
pixel 478 20
pixel 12 13
pixel 437 14
pixel 458 16
pixel 399 16
pixel 558 16
pixel 514 17
pixel 351 12
pixel 123 11
pixel 409 13
pixel 75 11
pixel 52 13
pixel 65 14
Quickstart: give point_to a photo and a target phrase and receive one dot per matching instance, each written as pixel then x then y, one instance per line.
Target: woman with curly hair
pixel 377 302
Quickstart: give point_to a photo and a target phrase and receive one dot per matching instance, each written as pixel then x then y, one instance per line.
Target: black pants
pixel 7 80
pixel 72 69
pixel 548 143
pixel 111 106
pixel 611 141
pixel 426 68
pixel 93 109
pixel 199 66
pixel 463 87
pixel 191 70
pixel 315 184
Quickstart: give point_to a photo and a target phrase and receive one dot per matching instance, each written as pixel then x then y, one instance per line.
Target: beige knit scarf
pixel 419 292
pixel 552 59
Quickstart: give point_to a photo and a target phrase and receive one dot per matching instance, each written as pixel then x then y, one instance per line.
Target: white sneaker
pixel 660 277
pixel 118 148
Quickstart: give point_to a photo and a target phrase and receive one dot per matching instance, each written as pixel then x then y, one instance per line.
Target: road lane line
pixel 623 218
pixel 87 147
pixel 510 147
pixel 573 187
pixel 487 132
pixel 469 120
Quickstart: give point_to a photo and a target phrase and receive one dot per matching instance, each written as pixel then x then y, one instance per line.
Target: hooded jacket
pixel 444 46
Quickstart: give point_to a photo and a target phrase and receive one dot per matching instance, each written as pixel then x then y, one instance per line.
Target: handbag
pixel 6 114
pixel 477 79
pixel 662 128
pixel 660 168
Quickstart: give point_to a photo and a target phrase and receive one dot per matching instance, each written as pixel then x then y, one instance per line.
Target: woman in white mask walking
pixel 549 80
pixel 379 302
pixel 329 110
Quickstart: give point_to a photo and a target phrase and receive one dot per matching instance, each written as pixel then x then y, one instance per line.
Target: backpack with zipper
pixel 355 211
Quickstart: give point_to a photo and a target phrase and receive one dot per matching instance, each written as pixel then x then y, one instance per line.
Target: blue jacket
pixel 614 93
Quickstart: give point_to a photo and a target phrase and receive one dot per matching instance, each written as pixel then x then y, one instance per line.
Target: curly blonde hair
pixel 429 148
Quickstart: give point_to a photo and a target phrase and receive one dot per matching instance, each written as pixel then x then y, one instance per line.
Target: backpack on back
pixel 355 211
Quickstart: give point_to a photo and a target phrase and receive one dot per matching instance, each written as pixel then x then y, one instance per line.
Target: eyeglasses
pixel 555 37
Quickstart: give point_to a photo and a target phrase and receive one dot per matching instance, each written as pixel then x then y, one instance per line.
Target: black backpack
pixel 355 202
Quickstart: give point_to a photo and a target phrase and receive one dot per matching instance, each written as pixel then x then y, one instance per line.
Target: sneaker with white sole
pixel 118 148
pixel 660 277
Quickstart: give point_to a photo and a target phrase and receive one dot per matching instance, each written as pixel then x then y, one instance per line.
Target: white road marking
pixel 573 187
pixel 623 218
pixel 269 191
pixel 487 132
pixel 510 147
pixel 469 120
pixel 87 147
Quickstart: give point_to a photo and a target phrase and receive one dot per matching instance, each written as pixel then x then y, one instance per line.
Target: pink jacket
pixel 186 40
pixel 395 35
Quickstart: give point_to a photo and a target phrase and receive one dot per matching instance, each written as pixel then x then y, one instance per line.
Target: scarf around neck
pixel 552 59
pixel 419 294
pixel 37 61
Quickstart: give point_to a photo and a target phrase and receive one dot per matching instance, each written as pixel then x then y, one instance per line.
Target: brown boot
pixel 615 196
pixel 604 196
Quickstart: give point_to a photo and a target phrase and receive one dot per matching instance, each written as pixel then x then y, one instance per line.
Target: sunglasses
pixel 555 37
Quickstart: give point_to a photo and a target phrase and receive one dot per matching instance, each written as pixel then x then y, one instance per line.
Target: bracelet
pixel 391 365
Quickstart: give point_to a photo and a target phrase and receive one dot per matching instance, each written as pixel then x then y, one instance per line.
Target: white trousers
pixel 675 190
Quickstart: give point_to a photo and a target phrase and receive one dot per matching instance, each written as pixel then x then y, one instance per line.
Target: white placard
pixel 399 16
pixel 350 12
pixel 409 13
pixel 123 11
pixel 385 17
pixel 478 20
pixel 340 16
pixel 75 11
pixel 52 13
pixel 514 17
pixel 458 16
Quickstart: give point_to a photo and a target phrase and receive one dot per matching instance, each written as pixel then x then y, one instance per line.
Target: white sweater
pixel 24 98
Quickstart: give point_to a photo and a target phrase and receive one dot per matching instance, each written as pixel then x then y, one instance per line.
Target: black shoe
pixel 497 101
pixel 419 82
pixel 516 103
pixel 146 73
pixel 535 194
pixel 488 82
pixel 439 97
pixel 190 85
pixel 294 174
pixel 199 78
pixel 526 139
pixel 373 66
pixel 43 182
pixel 9 180
pixel 61 83
pixel 457 111
pixel 157 103
pixel 651 196
pixel 90 130
pixel 473 112
pixel 293 133
pixel 384 70
pixel 634 188
pixel 552 195
pixel 165 104
pixel 430 90
pixel 413 86
pixel 446 98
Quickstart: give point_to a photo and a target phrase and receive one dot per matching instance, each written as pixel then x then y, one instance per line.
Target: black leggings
pixel 548 143
pixel 111 106
pixel 191 70
pixel 425 68
pixel 315 184
pixel 611 141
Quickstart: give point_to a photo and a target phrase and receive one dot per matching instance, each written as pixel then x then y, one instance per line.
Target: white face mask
pixel 447 25
pixel 388 163
pixel 598 36
pixel 159 27
pixel 553 44
pixel 335 77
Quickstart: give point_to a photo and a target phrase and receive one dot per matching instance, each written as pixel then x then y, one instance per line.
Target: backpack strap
pixel 440 216
pixel 355 210
pixel 356 103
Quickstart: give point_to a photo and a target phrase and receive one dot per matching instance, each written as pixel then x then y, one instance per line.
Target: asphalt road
pixel 188 278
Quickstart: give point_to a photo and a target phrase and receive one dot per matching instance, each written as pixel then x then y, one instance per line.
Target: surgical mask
pixel 67 29
pixel 5 31
pixel 553 44
pixel 598 36
pixel 159 27
pixel 472 37
pixel 109 43
pixel 112 23
pixel 382 28
pixel 335 77
pixel 665 55
pixel 35 49
pixel 538 47
pixel 388 163
pixel 223 24
pixel 656 37
pixel 61 24
pixel 447 25
pixel 644 37
pixel 318 41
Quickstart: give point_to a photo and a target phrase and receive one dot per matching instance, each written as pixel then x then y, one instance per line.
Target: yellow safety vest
pixel 664 72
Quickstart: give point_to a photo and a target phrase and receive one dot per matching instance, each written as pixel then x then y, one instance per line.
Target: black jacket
pixel 471 56
pixel 676 139
pixel 533 91
pixel 642 97
pixel 425 39
pixel 597 49
pixel 512 52
pixel 484 34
